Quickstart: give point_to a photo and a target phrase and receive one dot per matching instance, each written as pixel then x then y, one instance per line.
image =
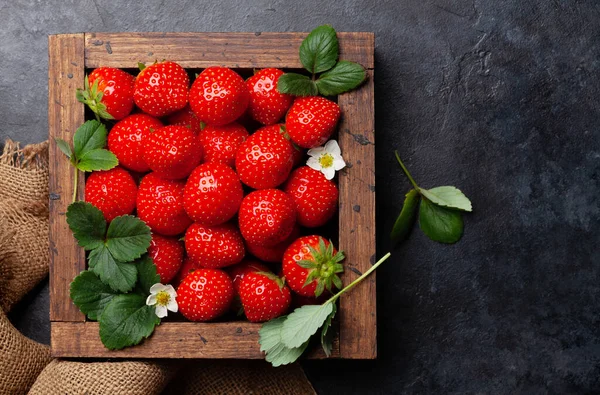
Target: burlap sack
pixel 24 220
pixel 24 262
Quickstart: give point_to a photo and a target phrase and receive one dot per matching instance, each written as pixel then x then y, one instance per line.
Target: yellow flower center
pixel 326 160
pixel 163 298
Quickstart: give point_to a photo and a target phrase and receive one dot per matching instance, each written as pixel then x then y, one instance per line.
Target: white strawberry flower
pixel 163 297
pixel 326 159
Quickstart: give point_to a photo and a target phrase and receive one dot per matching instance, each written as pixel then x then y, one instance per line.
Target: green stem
pixel 362 277
pixel 75 181
pixel 412 181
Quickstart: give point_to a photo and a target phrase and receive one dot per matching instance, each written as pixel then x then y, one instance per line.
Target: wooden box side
pixel 66 68
pixel 76 338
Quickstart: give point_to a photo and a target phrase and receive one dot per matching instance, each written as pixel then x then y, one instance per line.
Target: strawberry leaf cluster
pixel 439 209
pixel 319 53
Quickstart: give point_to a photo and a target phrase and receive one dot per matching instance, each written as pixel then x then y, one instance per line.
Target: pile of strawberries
pixel 226 207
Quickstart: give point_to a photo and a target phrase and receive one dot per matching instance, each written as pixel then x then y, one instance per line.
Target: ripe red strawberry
pixel 214 247
pixel 310 265
pixel 125 140
pixel 172 152
pixel 186 268
pixel 221 143
pixel 109 93
pixel 264 296
pixel 213 193
pixel 267 217
pixel 161 88
pixel 311 121
pixel 160 205
pixel 167 255
pixel 238 272
pixel 275 253
pixel 265 159
pixel 185 117
pixel 205 294
pixel 301 300
pixel 316 197
pixel 267 105
pixel 219 96
pixel 298 157
pixel 112 191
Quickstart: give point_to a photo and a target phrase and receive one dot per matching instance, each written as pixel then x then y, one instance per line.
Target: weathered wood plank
pixel 233 340
pixel 358 318
pixel 65 115
pixel 199 50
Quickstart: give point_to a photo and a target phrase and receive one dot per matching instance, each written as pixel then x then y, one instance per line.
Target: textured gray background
pixel 500 98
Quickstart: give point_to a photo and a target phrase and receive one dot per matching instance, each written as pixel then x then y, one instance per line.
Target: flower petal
pixel 171 291
pixel 329 172
pixel 338 163
pixel 151 300
pixel 333 148
pixel 161 311
pixel 156 288
pixel 318 151
pixel 313 163
pixel 173 306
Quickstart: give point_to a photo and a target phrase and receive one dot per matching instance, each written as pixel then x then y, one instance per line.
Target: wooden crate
pixel 72 55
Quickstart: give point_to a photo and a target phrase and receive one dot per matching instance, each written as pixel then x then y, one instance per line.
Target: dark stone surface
pixel 500 98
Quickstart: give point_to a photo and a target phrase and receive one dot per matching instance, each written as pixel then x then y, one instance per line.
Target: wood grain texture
pixel 65 115
pixel 199 50
pixel 232 340
pixel 358 319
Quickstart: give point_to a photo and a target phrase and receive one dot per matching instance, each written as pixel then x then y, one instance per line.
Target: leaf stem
pixel 75 181
pixel 412 181
pixel 362 277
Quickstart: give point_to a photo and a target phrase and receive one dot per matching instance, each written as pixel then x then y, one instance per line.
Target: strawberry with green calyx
pixel 221 143
pixel 161 88
pixel 312 120
pixel 266 217
pixel 205 294
pixel 284 339
pixel 213 194
pixel 167 256
pixel 125 140
pixel 214 247
pixel 219 96
pixel 264 296
pixel 265 159
pixel 311 264
pixel 160 205
pixel 316 197
pixel 267 105
pixel 273 254
pixel 112 191
pixel 185 117
pixel 108 93
pixel 172 152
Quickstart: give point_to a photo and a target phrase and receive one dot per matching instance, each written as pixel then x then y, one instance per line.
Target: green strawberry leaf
pixel 126 321
pixel 97 159
pixel 303 322
pixel 440 224
pixel 270 343
pixel 326 334
pixel 87 224
pixel 344 77
pixel 90 294
pixel 448 196
pixel 89 136
pixel 146 274
pixel 406 218
pixel 64 147
pixel 319 50
pixel 297 85
pixel 118 275
pixel 128 237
